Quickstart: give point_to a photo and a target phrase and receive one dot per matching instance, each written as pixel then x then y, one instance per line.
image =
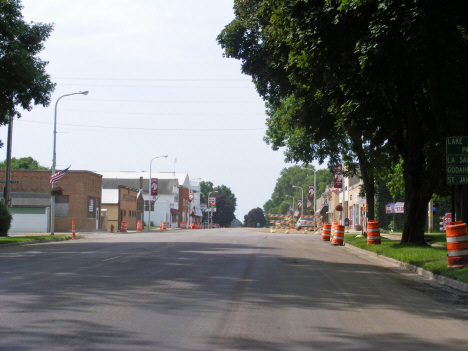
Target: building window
pixel 147 206
pixel 91 207
pixel 350 197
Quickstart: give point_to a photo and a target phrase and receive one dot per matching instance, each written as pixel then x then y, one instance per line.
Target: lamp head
pixel 84 92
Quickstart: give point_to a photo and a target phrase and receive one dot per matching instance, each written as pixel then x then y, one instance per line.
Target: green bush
pixel 5 219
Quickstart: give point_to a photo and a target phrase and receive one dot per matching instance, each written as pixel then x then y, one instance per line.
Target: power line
pixel 174 101
pixel 165 114
pixel 158 86
pixel 155 80
pixel 146 129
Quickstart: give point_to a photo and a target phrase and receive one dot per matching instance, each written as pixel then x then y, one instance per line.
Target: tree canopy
pixel 224 214
pixel 254 216
pixel 368 81
pixel 281 199
pixel 23 79
pixel 207 187
pixel 23 163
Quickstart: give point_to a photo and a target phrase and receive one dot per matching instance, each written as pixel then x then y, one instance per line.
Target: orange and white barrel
pixel 338 234
pixel 373 233
pixel 164 226
pixel 123 227
pixel 183 225
pixel 457 244
pixel 326 232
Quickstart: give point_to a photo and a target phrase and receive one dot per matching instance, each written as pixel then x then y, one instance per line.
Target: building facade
pixel 30 200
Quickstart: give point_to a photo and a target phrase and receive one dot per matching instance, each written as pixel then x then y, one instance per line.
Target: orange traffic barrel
pixel 123 227
pixel 338 234
pixel 457 244
pixel 183 225
pixel 326 232
pixel 373 233
pixel 164 226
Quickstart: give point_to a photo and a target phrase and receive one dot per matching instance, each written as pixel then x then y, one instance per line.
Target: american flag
pixel 309 204
pixel 296 213
pixel 336 191
pixel 57 176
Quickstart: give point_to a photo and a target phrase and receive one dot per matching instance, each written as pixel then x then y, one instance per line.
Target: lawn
pixel 433 259
pixel 19 239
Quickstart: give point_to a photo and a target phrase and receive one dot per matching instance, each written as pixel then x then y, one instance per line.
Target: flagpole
pixel 52 198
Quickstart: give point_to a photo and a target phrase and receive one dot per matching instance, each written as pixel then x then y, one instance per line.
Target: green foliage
pixel 23 81
pixel 224 214
pixel 384 197
pixel 396 183
pixel 5 219
pixel 207 188
pixel 23 163
pixel 370 80
pixel 254 216
pixel 295 175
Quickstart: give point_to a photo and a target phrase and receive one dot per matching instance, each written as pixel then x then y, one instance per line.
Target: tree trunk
pixel 415 216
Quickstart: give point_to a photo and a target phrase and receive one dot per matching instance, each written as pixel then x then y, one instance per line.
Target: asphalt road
pixel 226 289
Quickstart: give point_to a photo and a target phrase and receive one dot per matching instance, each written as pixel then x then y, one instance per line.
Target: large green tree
pixel 224 214
pixel 23 163
pixel 281 199
pixel 371 80
pixel 254 217
pixel 23 79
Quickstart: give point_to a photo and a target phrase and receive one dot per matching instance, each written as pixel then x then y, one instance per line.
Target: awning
pixel 174 211
pixel 198 213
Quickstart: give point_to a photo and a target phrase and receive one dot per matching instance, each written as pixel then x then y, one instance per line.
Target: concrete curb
pixel 415 269
pixel 30 242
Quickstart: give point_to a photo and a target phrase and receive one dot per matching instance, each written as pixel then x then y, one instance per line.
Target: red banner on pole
pixel 311 192
pixel 299 204
pixel 154 186
pixel 338 183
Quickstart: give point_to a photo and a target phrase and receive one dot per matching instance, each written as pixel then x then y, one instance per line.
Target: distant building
pixel 31 201
pixel 235 223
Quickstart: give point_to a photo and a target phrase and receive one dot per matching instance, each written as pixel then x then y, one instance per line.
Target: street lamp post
pixel 54 159
pixel 149 193
pixel 315 185
pixel 210 210
pixel 292 203
pixel 302 198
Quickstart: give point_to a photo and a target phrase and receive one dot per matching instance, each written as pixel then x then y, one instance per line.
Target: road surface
pixel 219 289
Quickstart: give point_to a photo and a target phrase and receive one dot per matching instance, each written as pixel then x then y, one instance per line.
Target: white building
pixel 170 206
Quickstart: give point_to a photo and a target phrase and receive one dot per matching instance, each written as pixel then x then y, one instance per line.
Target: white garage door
pixel 34 221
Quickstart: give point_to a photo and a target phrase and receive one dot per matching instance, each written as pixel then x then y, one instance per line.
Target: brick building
pixel 30 200
pixel 122 206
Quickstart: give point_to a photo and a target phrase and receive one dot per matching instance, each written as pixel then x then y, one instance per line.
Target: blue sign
pixel 390 208
pixel 346 222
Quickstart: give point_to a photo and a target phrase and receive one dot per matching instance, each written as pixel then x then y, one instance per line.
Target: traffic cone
pixel 73 228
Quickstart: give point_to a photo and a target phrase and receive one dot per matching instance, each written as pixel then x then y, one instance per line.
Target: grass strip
pixel 40 238
pixel 433 259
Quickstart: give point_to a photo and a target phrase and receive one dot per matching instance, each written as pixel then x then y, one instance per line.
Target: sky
pixel 158 85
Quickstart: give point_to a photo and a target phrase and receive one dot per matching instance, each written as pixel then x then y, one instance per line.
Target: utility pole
pixel 6 189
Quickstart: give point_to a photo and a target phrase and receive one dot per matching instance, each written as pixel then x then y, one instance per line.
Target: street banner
pixel 390 208
pixel 311 192
pixel 299 204
pixel 338 177
pixel 154 186
pixel 190 197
